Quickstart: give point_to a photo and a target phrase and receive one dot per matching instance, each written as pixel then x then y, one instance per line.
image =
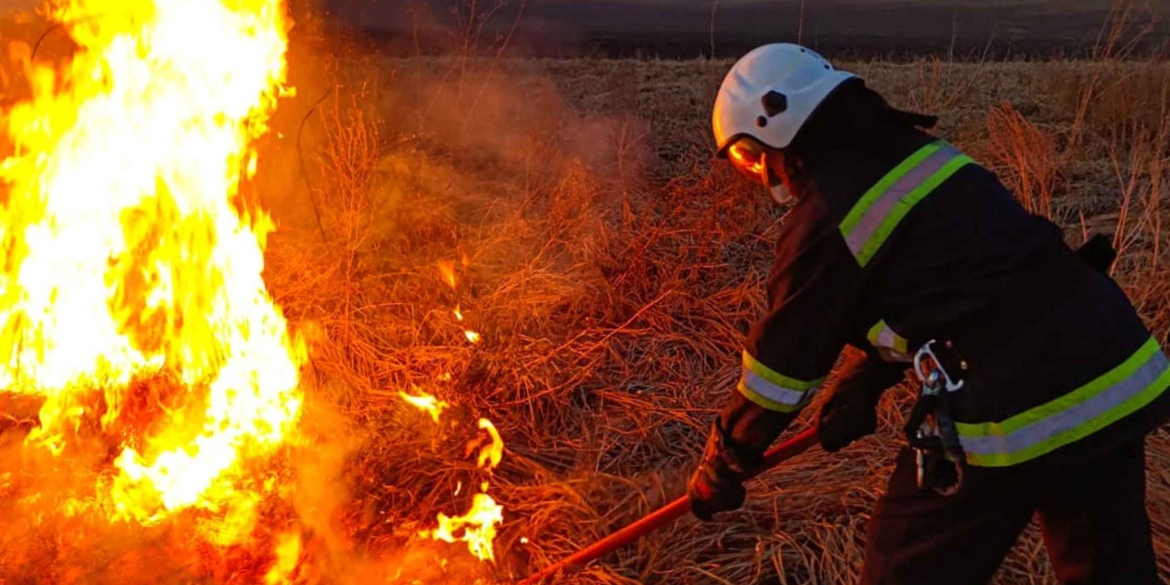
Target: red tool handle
pixel 668 513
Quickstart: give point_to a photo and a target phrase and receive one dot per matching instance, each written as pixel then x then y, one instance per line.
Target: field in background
pixel 727 28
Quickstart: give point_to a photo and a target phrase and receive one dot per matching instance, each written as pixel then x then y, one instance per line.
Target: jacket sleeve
pixel 813 292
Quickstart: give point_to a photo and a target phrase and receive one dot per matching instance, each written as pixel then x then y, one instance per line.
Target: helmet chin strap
pixel 781 194
pixel 778 189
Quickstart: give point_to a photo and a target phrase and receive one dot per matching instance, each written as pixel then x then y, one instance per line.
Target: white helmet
pixel 770 93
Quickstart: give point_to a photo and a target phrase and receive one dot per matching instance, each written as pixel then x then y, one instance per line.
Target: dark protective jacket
pixel 886 252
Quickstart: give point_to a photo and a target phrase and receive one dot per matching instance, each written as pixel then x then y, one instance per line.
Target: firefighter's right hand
pixel 850 412
pixel 717 484
pixel 845 418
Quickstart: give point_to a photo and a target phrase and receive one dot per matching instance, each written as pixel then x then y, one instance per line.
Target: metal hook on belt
pixel 930 430
pixel 930 378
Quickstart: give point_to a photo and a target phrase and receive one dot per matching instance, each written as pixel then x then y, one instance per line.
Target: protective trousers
pixel 1093 518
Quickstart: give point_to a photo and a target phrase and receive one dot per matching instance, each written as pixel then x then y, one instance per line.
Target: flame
pixel 424 401
pixel 288 555
pixel 491 455
pixel 447 268
pixel 477 527
pixel 130 264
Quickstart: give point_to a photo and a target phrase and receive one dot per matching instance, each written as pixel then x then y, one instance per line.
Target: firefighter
pixel 900 258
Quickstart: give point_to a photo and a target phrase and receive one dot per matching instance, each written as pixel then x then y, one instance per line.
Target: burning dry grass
pixel 610 271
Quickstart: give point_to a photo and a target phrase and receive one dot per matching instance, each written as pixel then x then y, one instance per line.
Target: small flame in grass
pixel 477 527
pixel 426 402
pixel 447 267
pixel 491 455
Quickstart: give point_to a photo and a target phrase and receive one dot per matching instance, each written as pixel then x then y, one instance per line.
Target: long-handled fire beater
pixel 668 513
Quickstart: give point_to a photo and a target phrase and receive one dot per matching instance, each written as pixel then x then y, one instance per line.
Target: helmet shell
pixel 770 93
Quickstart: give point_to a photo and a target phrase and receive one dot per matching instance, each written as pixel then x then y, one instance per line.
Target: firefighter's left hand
pixel 711 493
pixel 717 484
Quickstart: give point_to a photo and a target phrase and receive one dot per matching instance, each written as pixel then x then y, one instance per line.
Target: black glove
pixel 850 412
pixel 844 418
pixel 717 484
pixel 736 444
pixel 1098 253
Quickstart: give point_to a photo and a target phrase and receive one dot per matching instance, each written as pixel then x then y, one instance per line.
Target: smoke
pixel 13 6
pixel 387 166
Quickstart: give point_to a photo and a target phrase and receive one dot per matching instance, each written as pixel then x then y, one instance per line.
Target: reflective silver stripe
pixel 774 392
pixel 891 346
pixel 861 233
pixel 887 338
pixel 1070 418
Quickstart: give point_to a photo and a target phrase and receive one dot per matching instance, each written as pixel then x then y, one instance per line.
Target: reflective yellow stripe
pixel 751 364
pixel 1133 384
pixel 867 200
pixel 767 402
pixel 882 336
pixel 773 390
pixel 878 212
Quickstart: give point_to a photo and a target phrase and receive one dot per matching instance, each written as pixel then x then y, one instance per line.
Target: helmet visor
pixel 750 158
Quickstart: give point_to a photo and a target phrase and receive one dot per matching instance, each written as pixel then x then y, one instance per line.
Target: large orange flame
pixel 128 259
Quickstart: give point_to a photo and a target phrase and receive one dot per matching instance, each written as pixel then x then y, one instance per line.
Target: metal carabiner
pixel 939 453
pixel 930 380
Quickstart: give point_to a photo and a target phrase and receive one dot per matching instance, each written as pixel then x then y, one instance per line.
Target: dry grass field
pixel 611 268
